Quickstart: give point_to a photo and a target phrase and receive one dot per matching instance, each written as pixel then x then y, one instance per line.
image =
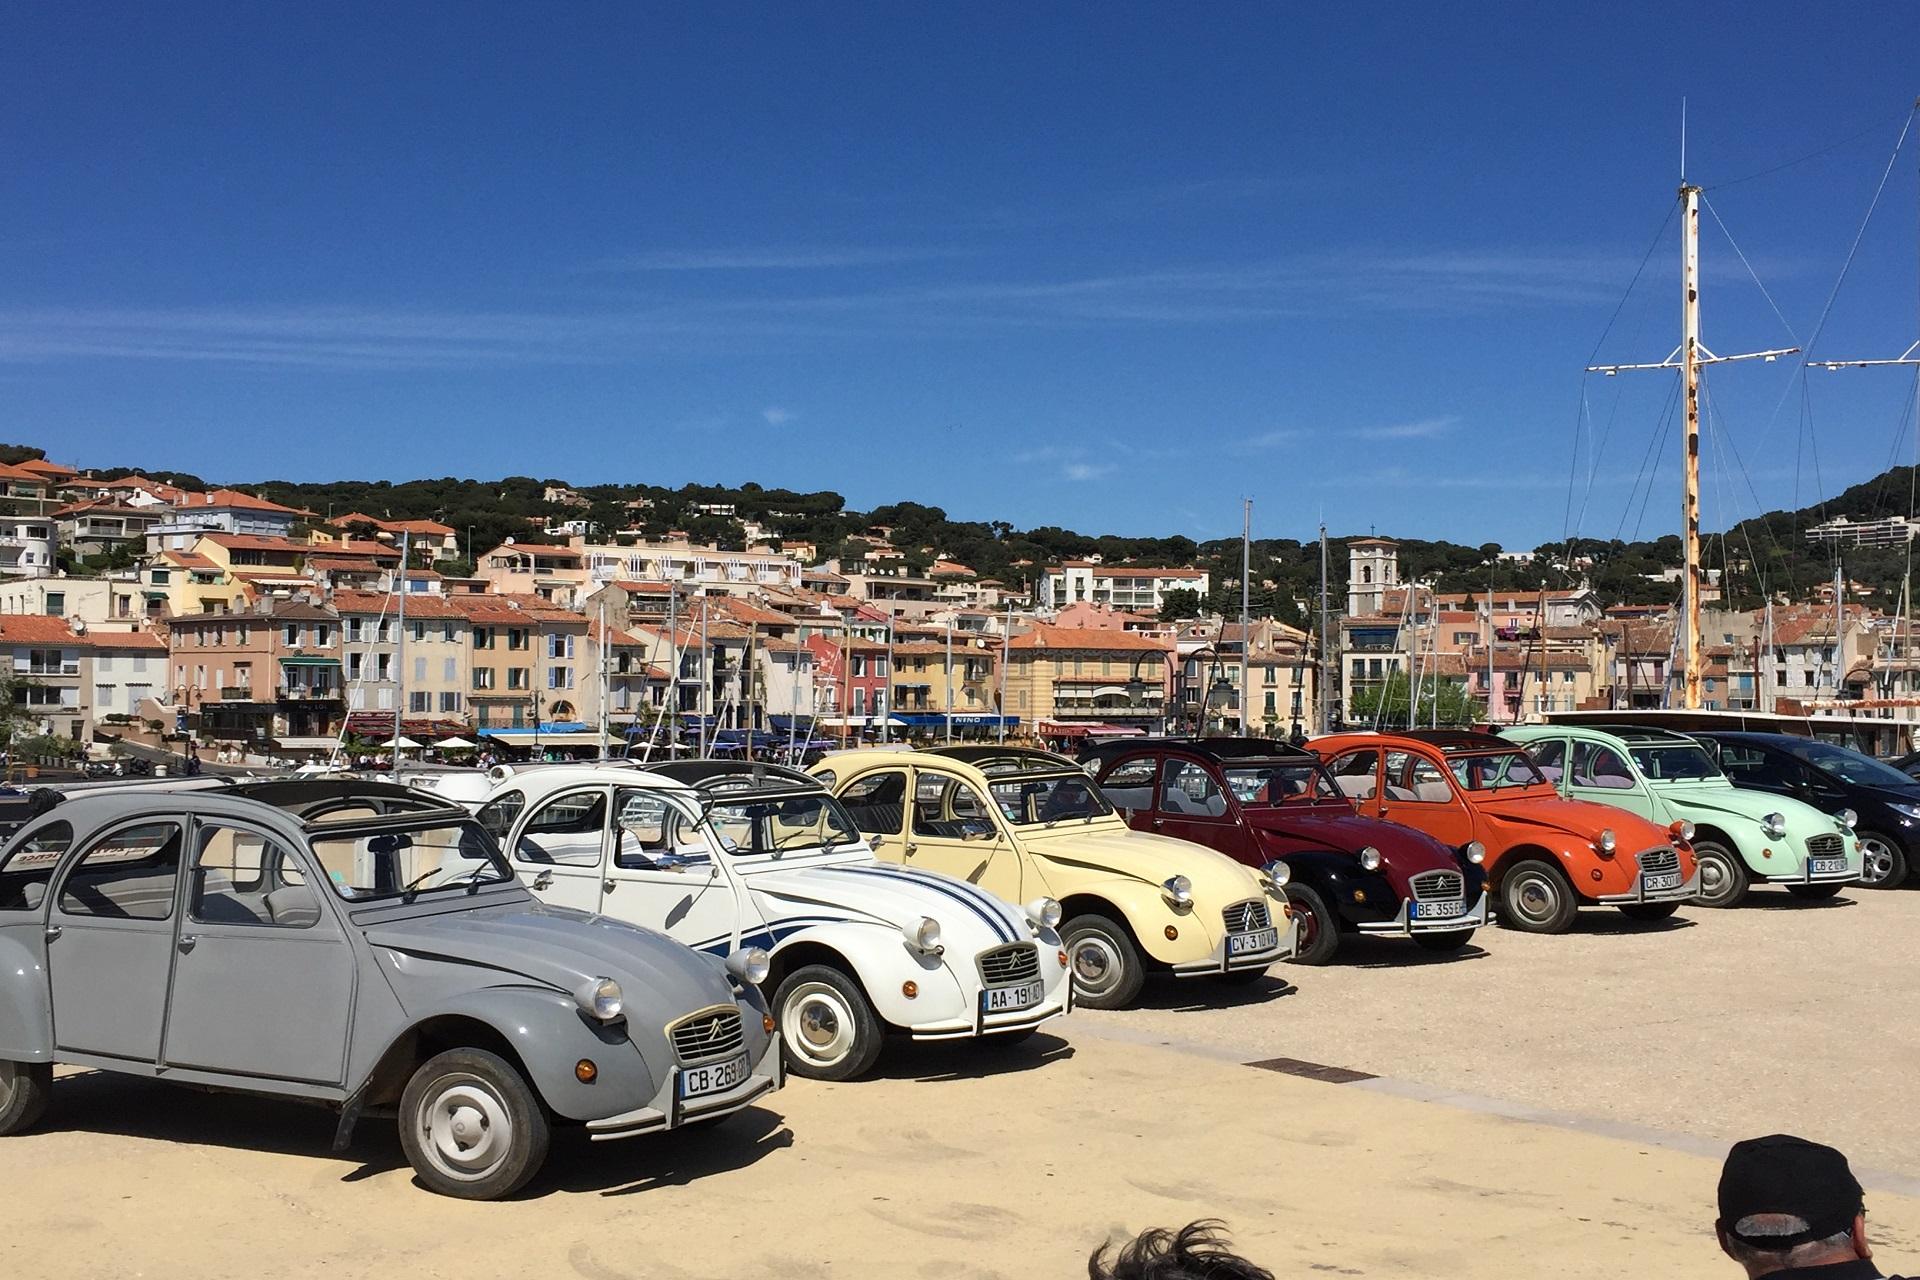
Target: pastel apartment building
pixel 1117 586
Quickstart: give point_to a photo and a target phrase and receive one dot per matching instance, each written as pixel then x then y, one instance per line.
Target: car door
pixel 953 829
pixel 559 844
pixel 1357 775
pixel 1191 805
pixel 258 947
pixel 1550 757
pixel 1753 768
pixel 1416 791
pixel 110 939
pixel 662 872
pixel 1598 772
pixel 877 802
pixel 1129 787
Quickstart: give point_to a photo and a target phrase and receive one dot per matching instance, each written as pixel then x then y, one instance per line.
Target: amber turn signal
pixel 909 988
pixel 766 1021
pixel 1063 959
pixel 1172 933
pixel 585 1072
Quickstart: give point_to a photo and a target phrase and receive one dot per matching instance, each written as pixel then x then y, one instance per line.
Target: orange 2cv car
pixel 1546 856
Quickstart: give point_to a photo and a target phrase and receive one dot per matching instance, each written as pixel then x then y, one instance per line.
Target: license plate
pixel 1437 910
pixel 715 1077
pixel 1665 880
pixel 1828 866
pixel 1240 944
pixel 1005 999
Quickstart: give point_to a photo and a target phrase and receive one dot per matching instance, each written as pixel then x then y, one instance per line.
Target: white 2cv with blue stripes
pixel 728 856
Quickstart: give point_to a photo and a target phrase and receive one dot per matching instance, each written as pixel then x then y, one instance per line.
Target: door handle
pixel 53 931
pixel 1156 822
pixel 544 880
pixel 187 942
pixel 608 886
pixel 911 846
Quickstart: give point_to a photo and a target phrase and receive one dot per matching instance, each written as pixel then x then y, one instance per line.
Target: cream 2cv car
pixel 1022 823
pixel 727 856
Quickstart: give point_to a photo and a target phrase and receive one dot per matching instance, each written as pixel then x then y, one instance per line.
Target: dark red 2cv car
pixel 1260 801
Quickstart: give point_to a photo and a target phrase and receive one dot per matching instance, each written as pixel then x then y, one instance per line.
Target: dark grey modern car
pixel 361 945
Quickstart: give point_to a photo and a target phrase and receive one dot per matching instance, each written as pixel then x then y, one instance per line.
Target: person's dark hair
pixel 1197 1251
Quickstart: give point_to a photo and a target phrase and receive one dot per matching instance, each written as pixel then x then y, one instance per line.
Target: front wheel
pixel 471 1126
pixel 25 1090
pixel 1648 910
pixel 1319 927
pixel 1883 863
pixel 1536 898
pixel 827 1025
pixel 1814 892
pixel 1108 970
pixel 1724 881
pixel 1451 940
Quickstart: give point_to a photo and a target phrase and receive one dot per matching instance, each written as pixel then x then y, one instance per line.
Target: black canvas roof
pixel 1217 749
pixel 730 774
pixel 1456 739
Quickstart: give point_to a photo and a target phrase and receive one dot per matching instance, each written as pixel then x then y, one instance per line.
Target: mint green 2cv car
pixel 1741 838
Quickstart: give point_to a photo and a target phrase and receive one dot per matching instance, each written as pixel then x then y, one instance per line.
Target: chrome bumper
pixel 1400 926
pixel 983 1025
pixel 669 1111
pixel 1685 890
pixel 1222 962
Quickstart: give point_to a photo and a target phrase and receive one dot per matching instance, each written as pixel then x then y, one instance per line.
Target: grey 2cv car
pixel 362 945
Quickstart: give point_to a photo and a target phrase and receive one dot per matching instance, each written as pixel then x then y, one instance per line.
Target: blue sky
pixel 1109 267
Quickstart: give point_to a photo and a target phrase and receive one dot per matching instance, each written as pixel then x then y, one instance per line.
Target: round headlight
pixel 1044 912
pixel 924 934
pixel 1179 889
pixel 1475 852
pixel 1682 831
pixel 601 997
pixel 1608 841
pixel 1370 859
pixel 1278 871
pixel 1847 818
pixel 750 964
pixel 1775 825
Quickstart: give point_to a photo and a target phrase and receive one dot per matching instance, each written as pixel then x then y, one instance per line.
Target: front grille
pixel 1656 861
pixel 1247 917
pixel 1826 847
pixel 709 1034
pixel 1439 886
pixel 1010 966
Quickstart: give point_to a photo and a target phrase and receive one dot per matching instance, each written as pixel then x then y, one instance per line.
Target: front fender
pixel 26 1011
pixel 881 961
pixel 1336 877
pixel 1148 913
pixel 549 1033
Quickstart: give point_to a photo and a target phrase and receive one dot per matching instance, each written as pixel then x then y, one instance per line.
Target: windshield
pixel 1047 800
pixel 1496 771
pixel 1675 763
pixel 1850 766
pixel 783 825
pixel 390 862
pixel 1261 786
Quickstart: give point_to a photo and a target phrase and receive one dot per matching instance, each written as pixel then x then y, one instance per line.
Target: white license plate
pixel 1005 999
pixel 1828 866
pixel 715 1077
pixel 1240 944
pixel 1438 910
pixel 1665 880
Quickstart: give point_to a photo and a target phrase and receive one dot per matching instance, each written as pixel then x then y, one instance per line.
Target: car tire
pixel 471 1126
pixel 1451 940
pixel 1724 881
pixel 1536 897
pixel 828 1028
pixel 1108 969
pixel 1319 927
pixel 1814 892
pixel 1647 911
pixel 25 1090
pixel 1883 862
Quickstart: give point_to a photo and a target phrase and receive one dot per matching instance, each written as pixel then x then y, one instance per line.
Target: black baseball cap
pixel 1784 1174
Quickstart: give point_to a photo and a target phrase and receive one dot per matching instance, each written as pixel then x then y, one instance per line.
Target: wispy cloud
pixel 776 416
pixel 1419 429
pixel 766 258
pixel 1082 471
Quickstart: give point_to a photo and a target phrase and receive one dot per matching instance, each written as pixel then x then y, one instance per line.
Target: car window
pixel 878 802
pixel 129 874
pixel 28 869
pixel 1045 799
pixel 643 827
pixel 1130 784
pixel 944 807
pixel 1549 757
pixel 565 831
pixel 1848 766
pixel 1189 790
pixel 242 877
pixel 1416 779
pixel 497 814
pixel 1354 773
pixel 1597 765
pixel 430 856
pixel 1667 762
pixel 1752 767
pixel 1261 786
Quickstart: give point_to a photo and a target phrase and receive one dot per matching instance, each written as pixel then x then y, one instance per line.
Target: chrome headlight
pixel 1179 891
pixel 1278 871
pixel 1607 842
pixel 751 965
pixel 1475 852
pixel 601 997
pixel 1847 818
pixel 1775 825
pixel 1045 913
pixel 1682 831
pixel 1369 859
pixel 924 935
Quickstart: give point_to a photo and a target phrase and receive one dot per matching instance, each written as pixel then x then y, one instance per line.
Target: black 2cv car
pixel 1258 801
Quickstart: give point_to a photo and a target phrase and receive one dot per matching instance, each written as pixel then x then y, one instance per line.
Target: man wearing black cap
pixel 1792 1210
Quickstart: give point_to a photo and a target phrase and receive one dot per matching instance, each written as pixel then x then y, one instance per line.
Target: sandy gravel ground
pixel 959 1163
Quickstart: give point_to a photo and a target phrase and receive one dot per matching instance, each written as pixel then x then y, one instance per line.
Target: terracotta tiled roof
pixel 419 605
pixel 230 500
pixel 123 641
pixel 38 628
pixel 190 560
pixel 10 472
pixel 1086 639
pixel 254 542
pixel 51 470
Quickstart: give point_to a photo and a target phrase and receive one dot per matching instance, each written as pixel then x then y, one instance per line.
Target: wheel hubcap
pixel 468 1131
pixel 1537 898
pixel 1713 877
pixel 818 1025
pixel 1096 967
pixel 1876 860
